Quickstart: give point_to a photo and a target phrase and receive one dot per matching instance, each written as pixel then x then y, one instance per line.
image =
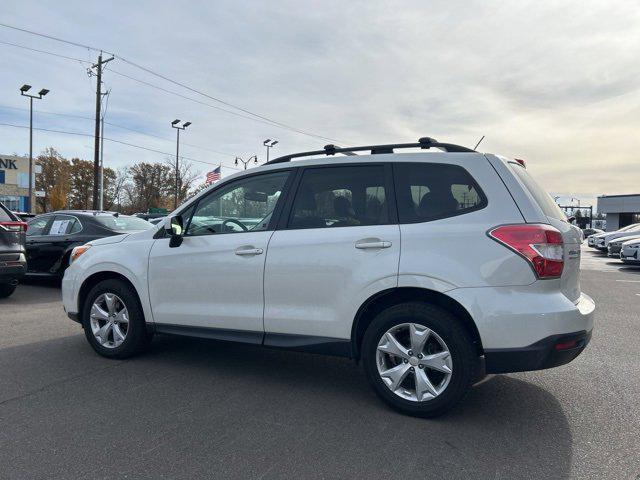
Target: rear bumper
pixel 12 268
pixel 549 352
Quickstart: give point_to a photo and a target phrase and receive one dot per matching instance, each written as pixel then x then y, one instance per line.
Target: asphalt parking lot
pixel 191 408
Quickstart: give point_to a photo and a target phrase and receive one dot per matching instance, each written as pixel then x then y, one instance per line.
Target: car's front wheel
pixel 113 320
pixel 419 359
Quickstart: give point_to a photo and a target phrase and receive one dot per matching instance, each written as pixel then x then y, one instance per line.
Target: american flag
pixel 213 175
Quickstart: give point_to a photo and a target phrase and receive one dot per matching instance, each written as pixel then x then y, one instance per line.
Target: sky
pixel 554 83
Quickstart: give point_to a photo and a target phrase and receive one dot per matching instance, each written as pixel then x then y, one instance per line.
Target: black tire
pixel 465 361
pixel 6 290
pixel 137 336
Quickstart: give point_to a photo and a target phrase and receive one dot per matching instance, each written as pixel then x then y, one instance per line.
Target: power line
pixel 80 134
pixel 6 107
pixel 178 83
pixel 44 51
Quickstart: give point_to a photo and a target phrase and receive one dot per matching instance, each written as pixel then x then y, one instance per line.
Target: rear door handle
pixel 372 243
pixel 250 250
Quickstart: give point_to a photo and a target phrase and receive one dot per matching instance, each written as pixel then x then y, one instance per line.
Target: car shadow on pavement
pixel 193 406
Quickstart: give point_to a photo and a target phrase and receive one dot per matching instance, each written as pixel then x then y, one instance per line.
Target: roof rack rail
pixel 424 143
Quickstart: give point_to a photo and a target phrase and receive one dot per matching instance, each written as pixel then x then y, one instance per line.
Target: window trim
pixel 392 214
pixel 273 221
pixel 483 204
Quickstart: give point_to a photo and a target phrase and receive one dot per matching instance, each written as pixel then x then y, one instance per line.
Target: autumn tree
pixel 53 181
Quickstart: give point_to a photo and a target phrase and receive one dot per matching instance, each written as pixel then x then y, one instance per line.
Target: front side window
pixel 37 224
pixel 340 197
pixel 244 205
pixel 429 191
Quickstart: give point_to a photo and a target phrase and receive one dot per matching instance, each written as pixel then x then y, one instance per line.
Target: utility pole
pixel 246 162
pixel 269 146
pixel 96 149
pixel 23 91
pixel 101 163
pixel 175 124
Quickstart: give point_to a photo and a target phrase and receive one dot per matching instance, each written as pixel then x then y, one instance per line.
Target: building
pixel 14 182
pixel 621 210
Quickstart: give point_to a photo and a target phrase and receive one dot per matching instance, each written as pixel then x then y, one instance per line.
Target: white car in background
pixel 602 240
pixel 361 256
pixel 630 251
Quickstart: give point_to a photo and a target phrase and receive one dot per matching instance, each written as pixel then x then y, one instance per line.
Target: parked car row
pixel 43 245
pixel 623 243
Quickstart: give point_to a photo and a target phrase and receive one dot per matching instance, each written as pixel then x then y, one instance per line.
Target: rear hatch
pixel 570 279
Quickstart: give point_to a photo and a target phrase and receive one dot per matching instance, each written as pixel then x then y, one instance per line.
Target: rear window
pixel 542 198
pixel 122 223
pixel 429 191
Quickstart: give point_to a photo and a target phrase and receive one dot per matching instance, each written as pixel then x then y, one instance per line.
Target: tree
pixel 54 180
pixel 81 180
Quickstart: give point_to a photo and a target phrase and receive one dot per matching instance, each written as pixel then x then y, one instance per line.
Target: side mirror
pixel 175 230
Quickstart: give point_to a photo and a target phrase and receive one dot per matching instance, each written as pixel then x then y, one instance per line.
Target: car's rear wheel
pixel 6 289
pixel 419 359
pixel 113 320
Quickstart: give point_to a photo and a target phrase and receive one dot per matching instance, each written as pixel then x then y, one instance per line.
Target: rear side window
pixel 340 197
pixel 430 191
pixel 542 198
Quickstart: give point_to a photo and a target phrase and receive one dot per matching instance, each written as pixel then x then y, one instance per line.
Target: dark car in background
pixel 13 263
pixel 52 236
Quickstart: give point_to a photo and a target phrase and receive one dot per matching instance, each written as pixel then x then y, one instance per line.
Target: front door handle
pixel 372 243
pixel 249 250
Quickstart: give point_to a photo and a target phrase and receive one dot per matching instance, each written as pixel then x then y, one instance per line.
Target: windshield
pixel 123 223
pixel 634 226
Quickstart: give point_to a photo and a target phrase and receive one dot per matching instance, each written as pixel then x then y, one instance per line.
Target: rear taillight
pixel 14 226
pixel 540 244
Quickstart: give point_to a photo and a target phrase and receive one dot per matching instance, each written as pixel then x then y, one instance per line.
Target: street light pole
pixel 246 162
pixel 269 144
pixel 23 91
pixel 176 124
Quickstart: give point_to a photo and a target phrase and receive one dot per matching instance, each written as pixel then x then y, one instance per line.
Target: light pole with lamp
pixel 23 91
pixel 269 145
pixel 246 162
pixel 175 124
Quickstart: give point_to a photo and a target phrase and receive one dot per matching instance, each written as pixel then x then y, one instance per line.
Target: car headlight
pixel 77 251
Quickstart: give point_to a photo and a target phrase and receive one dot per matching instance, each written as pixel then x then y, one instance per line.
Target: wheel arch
pixel 95 278
pixel 394 296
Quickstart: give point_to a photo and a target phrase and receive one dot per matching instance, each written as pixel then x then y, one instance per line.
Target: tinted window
pixel 542 198
pixel 240 206
pixel 428 191
pixel 37 224
pixel 340 197
pixel 122 223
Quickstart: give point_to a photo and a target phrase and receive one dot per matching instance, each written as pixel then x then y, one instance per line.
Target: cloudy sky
pixel 555 83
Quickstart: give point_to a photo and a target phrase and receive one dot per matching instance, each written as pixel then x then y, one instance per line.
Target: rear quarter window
pixel 430 191
pixel 542 198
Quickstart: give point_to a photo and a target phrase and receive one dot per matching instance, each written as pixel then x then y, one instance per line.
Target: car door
pixel 339 244
pixel 37 237
pixel 214 279
pixel 63 233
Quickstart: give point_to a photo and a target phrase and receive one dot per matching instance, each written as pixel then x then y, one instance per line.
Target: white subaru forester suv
pixel 430 268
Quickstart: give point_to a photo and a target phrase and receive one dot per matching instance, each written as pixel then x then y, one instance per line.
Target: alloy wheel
pixel 414 362
pixel 109 320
